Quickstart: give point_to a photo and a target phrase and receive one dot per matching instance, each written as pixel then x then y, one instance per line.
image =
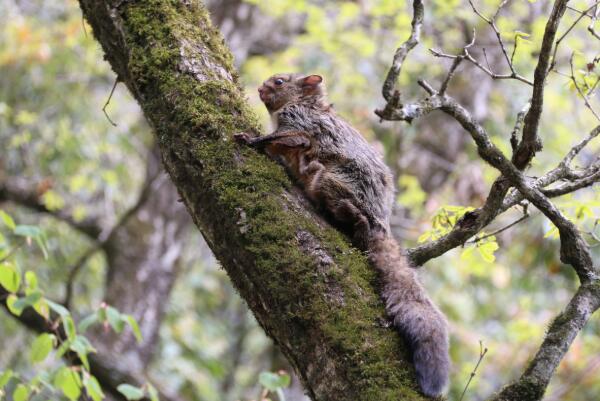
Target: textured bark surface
pixel 310 291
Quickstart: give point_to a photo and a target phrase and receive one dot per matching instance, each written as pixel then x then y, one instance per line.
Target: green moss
pixel 523 390
pixel 195 120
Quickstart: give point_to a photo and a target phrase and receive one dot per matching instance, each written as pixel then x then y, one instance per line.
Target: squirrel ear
pixel 312 80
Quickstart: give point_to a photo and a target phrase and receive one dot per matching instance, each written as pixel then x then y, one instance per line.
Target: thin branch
pixel 514 223
pixel 21 193
pixel 593 17
pixel 593 22
pixel 103 239
pixel 401 53
pixel 112 91
pixel 455 65
pixel 492 23
pixel 451 72
pixel 566 161
pixel 564 35
pixel 471 59
pixel 581 93
pixel 488 69
pixel 482 352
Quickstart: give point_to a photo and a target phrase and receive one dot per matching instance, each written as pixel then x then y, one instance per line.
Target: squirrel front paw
pixel 242 137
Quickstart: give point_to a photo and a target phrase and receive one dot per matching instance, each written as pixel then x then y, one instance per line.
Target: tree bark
pixel 143 263
pixel 311 292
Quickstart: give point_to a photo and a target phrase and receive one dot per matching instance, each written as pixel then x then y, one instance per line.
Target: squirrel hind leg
pixel 313 171
pixel 346 212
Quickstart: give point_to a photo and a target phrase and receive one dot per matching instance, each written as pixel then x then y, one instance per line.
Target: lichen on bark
pixel 309 289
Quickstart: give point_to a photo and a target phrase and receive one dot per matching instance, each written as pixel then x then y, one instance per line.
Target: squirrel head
pixel 282 89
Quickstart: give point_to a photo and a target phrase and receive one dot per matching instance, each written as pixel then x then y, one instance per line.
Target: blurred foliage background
pixel 91 186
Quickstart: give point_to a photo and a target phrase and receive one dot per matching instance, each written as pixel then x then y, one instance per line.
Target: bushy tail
pixel 419 321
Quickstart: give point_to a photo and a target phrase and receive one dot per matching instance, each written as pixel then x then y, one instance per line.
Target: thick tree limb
pixel 310 291
pixel 531 143
pixel 20 193
pixel 563 330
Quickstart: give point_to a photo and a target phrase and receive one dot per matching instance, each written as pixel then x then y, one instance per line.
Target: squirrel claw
pixel 242 137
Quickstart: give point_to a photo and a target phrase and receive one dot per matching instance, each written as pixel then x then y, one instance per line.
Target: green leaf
pixel 424 237
pixel 41 347
pixel 152 392
pixel 21 393
pixel 7 220
pixel 93 388
pixel 115 319
pixel 134 327
pixel 31 280
pixel 10 304
pixel 487 251
pixel 82 347
pixel 87 322
pixel 69 326
pixel 27 231
pixel 29 300
pixel 273 381
pixel 102 313
pixel 68 381
pixel 58 308
pixel 5 377
pixel 42 243
pixel 130 392
pixel 9 277
pixel 64 347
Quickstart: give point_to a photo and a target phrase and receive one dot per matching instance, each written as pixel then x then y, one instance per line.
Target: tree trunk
pixel 143 262
pixel 310 291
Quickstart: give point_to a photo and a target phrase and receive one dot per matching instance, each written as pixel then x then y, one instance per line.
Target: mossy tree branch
pixel 310 291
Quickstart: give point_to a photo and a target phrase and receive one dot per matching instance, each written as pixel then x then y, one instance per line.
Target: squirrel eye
pixel 278 81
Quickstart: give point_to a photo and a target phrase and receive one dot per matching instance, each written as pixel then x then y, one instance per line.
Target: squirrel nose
pixel 260 89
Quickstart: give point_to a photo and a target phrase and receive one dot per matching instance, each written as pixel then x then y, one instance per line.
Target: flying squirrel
pixel 343 174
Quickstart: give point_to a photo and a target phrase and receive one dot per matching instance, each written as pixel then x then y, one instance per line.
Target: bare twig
pixel 453 68
pixel 471 59
pixel 482 352
pixel 112 91
pixel 103 239
pixel 580 91
pixel 492 23
pixel 569 29
pixel 514 223
pixel 488 69
pixel 593 22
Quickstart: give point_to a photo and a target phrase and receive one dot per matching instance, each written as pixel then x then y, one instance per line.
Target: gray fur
pixel 341 172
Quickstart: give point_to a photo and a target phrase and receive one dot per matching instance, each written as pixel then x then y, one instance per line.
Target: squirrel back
pixel 342 173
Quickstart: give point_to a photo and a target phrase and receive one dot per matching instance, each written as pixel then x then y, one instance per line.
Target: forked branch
pixel 573 250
